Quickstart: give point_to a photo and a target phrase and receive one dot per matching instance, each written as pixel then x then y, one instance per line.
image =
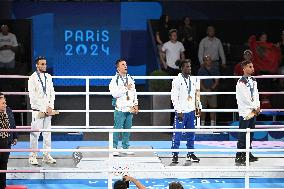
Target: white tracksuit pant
pixel 40 123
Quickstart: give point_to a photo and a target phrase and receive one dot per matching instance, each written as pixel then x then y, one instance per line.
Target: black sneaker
pixel 240 160
pixel 175 159
pixel 192 157
pixel 252 158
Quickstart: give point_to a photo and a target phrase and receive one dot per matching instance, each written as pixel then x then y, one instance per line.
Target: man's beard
pixel 42 71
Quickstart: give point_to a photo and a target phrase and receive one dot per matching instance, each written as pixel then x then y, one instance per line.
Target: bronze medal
pixel 189 98
pixel 127 98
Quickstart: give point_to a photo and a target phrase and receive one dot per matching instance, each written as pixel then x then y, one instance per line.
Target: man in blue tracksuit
pixel 186 101
pixel 122 89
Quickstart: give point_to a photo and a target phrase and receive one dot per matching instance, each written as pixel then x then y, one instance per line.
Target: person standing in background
pixel 212 46
pixel 8 48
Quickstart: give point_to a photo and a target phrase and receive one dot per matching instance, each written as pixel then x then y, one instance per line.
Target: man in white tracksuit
pixel 42 96
pixel 248 106
pixel 186 101
pixel 122 89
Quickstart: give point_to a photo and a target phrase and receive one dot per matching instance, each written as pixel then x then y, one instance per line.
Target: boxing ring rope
pixel 111 131
pixel 138 93
pixel 151 111
pixel 150 127
pixel 137 170
pixel 88 128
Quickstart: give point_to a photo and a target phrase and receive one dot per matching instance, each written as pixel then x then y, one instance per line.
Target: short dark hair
pixel 175 185
pixel 4 25
pixel 1 95
pixel 39 58
pixel 180 63
pixel 172 31
pixel 211 26
pixel 262 33
pixel 119 184
pixel 119 60
pixel 245 62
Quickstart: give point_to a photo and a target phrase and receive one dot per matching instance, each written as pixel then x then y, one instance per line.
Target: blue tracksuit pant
pixel 187 123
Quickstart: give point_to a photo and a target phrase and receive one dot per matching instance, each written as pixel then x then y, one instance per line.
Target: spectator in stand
pixel 8 48
pixel 162 34
pixel 163 29
pixel 266 58
pixel 247 55
pixel 173 50
pixel 188 39
pixel 208 85
pixel 212 46
pixel 281 46
pixel 266 55
pixel 279 83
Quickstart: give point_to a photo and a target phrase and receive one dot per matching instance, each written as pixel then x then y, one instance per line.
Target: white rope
pixel 151 127
pixel 179 170
pixel 233 127
pixel 150 111
pixel 138 93
pixel 141 77
pixel 141 150
pixel 233 93
pixel 141 130
pixel 74 170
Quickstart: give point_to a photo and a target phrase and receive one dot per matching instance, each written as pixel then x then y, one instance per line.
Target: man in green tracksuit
pixel 122 88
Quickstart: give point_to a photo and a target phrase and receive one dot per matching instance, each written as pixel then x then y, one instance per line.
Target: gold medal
pixel 127 98
pixel 189 98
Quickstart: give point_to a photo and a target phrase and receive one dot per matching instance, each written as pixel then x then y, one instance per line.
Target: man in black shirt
pixel 7 139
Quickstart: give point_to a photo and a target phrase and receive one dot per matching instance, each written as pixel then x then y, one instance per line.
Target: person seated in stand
pixel 208 85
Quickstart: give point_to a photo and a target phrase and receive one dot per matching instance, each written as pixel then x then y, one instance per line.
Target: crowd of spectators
pixel 178 42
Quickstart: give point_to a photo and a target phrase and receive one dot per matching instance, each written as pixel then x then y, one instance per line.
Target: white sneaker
pixel 32 159
pixel 128 152
pixel 115 153
pixel 48 159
